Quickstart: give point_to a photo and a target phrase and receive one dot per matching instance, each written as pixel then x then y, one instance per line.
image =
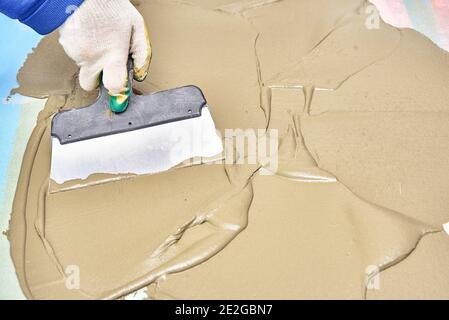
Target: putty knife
pixel 157 132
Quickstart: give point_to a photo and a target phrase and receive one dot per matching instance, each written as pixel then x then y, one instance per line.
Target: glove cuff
pixel 51 14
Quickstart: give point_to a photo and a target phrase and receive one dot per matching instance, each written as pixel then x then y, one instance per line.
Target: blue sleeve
pixel 44 16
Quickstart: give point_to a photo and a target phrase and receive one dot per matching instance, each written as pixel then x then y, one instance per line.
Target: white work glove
pixel 99 37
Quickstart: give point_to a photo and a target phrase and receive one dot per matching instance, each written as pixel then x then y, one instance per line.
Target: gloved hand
pixel 99 37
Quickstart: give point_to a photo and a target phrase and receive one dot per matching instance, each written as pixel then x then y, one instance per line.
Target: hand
pixel 99 37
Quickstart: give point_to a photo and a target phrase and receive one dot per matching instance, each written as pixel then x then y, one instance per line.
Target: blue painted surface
pixel 423 18
pixel 16 42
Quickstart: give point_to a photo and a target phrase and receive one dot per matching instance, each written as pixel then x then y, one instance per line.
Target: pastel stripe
pixel 423 18
pixel 24 124
pixel 394 12
pixel 441 11
pixel 18 42
pixel 10 288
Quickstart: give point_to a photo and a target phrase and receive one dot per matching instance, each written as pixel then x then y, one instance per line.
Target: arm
pixel 43 16
pixel 98 35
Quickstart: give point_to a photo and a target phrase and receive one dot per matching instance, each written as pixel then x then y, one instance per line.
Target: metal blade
pixel 144 151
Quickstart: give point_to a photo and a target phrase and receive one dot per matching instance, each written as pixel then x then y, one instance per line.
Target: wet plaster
pixel 362 181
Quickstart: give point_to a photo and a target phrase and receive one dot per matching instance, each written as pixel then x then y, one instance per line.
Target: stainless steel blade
pixel 144 151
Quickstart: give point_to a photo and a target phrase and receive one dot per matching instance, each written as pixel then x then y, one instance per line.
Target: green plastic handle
pixel 119 103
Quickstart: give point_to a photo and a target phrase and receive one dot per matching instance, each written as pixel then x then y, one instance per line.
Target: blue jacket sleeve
pixel 44 16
